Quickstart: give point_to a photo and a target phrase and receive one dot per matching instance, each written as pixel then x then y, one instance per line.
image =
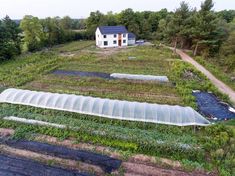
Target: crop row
pixel 26 68
pixel 147 141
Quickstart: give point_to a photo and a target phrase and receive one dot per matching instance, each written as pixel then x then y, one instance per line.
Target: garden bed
pixel 12 165
pixel 107 163
pixel 82 74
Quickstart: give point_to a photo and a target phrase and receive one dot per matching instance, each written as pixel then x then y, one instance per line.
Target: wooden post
pixel 195 50
pixel 182 44
pixel 175 45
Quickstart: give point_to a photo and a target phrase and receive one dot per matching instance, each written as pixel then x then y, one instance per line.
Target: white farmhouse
pixel 111 36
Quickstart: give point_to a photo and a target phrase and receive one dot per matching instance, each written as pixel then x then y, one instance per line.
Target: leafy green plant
pixel 190 165
pixel 26 68
pixel 132 136
pixel 187 79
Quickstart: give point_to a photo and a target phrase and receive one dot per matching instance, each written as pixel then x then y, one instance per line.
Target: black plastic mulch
pixel 107 163
pixel 18 166
pixel 82 74
pixel 211 106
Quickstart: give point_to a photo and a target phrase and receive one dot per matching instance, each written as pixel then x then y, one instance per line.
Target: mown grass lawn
pixel 73 46
pixel 147 60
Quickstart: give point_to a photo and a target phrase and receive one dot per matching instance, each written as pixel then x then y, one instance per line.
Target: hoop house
pixel 140 77
pixel 115 109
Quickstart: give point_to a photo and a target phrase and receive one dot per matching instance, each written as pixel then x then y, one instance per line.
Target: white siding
pixel 98 36
pixel 110 39
pixel 131 41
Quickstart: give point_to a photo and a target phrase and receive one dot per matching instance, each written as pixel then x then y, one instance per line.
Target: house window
pixel 124 41
pixel 105 43
pixel 124 35
pixel 115 42
pixel 115 35
pixel 105 36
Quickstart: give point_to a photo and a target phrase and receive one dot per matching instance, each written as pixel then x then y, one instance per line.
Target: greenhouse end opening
pixel 113 109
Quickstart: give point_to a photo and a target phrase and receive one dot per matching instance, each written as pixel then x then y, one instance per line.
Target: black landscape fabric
pixel 210 106
pixel 18 166
pixel 82 74
pixel 107 163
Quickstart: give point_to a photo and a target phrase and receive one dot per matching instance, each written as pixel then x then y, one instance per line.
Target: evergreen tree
pixel 207 32
pixel 10 39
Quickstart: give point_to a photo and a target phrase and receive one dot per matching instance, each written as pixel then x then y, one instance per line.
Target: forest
pixel 204 31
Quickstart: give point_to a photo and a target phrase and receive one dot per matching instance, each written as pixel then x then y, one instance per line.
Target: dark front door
pixel 119 39
pixel 119 42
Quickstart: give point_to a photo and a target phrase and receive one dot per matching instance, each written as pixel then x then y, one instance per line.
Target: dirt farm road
pixel 219 84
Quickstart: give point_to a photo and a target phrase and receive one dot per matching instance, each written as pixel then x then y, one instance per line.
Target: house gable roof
pixel 113 29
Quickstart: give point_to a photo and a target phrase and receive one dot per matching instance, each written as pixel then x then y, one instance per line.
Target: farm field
pixel 196 149
pixel 115 89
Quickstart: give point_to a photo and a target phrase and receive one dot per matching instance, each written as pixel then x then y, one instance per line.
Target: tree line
pixel 204 31
pixel 32 34
pixel 47 32
pixel 10 39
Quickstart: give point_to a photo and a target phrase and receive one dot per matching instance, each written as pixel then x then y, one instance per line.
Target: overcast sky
pixel 16 9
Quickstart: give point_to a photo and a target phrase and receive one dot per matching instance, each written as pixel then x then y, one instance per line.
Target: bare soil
pixel 65 163
pixel 132 169
pixel 6 132
pixel 135 165
pixel 67 54
pixel 110 51
pixel 150 97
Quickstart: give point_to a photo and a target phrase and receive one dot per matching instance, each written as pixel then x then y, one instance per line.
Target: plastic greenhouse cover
pixel 140 77
pixel 115 109
pixel 32 121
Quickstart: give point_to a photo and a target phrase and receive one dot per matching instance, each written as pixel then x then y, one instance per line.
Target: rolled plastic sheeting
pixel 33 122
pixel 140 77
pixel 114 109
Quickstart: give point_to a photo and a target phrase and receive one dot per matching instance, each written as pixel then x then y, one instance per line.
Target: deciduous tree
pixel 34 37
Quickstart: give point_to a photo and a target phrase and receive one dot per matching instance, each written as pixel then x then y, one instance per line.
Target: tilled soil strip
pixel 12 165
pixel 82 74
pixel 107 163
pixel 55 161
pixel 137 165
pixel 136 169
